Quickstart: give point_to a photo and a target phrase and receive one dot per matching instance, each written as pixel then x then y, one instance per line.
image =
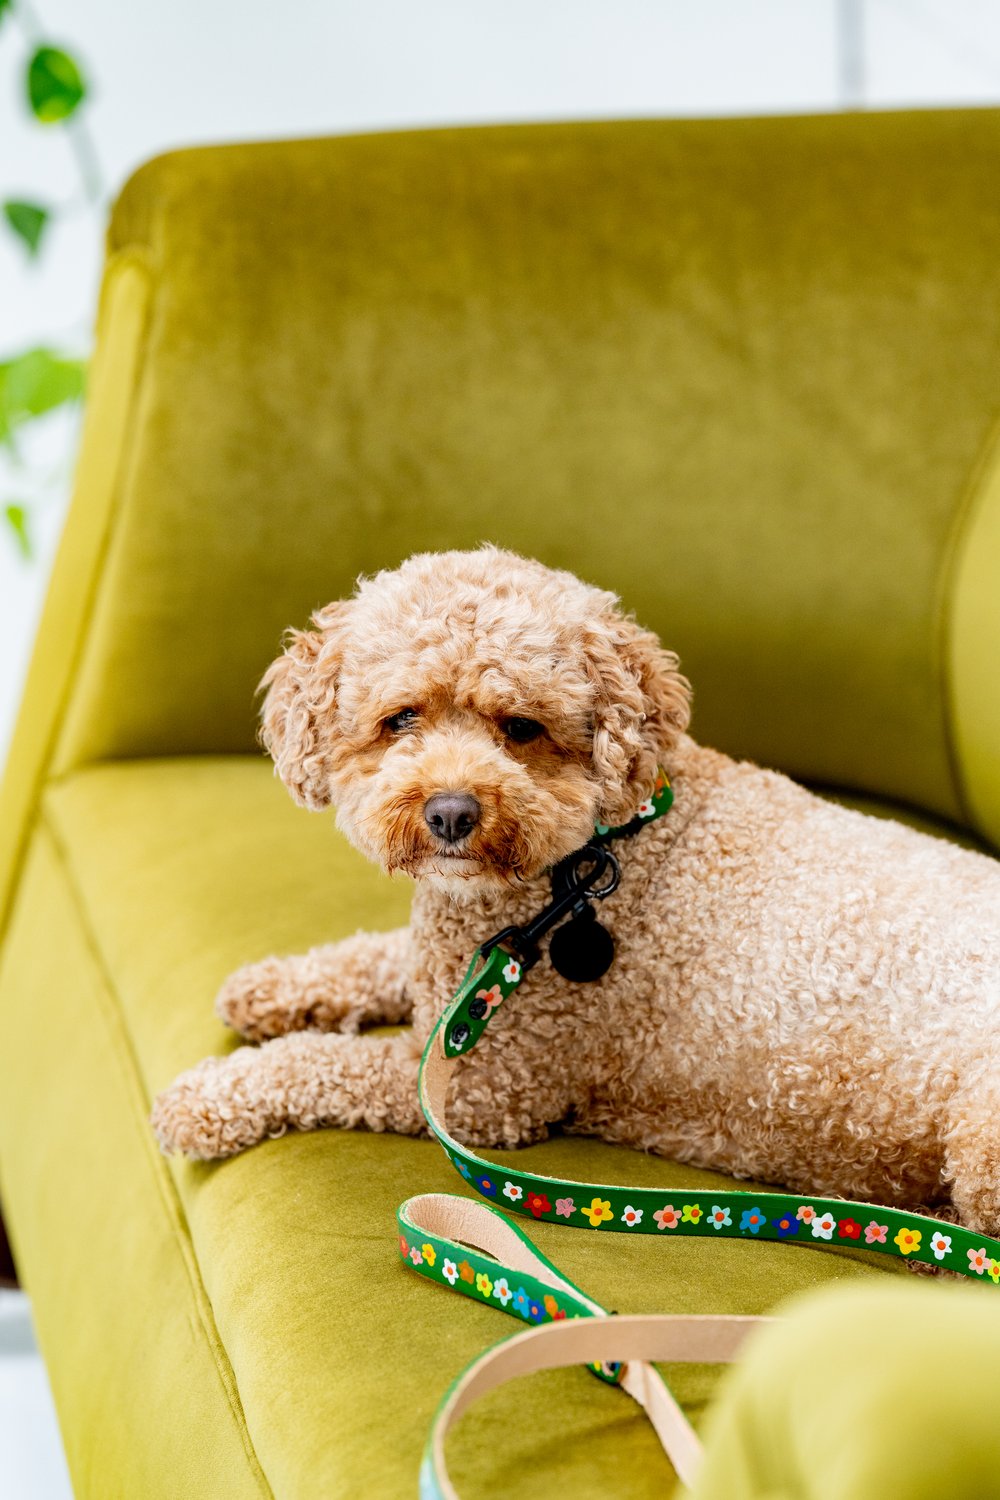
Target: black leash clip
pixel 582 949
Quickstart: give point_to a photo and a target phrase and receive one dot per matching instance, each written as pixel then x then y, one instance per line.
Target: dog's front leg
pixel 304 1081
pixel 339 987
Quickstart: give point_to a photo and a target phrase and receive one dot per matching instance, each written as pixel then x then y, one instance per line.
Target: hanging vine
pixel 38 380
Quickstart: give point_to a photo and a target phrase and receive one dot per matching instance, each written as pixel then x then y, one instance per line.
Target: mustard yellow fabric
pixel 144 1388
pixel 974 646
pixel 114 378
pixel 864 1391
pixel 742 371
pixel 745 372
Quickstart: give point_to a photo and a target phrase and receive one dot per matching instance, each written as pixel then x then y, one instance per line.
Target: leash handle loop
pixel 677 1339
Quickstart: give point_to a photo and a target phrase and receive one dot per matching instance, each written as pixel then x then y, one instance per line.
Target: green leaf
pixel 34 383
pixel 17 519
pixel 27 220
pixel 55 85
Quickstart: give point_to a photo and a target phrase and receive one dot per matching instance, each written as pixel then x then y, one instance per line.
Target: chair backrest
pixel 746 372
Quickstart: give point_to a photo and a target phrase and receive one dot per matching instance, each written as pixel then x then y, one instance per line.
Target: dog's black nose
pixel 451 815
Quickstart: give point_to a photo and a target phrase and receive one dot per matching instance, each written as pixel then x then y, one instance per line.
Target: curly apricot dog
pixel 801 994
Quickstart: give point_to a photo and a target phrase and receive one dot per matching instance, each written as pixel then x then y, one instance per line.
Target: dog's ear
pixel 642 705
pixel 297 712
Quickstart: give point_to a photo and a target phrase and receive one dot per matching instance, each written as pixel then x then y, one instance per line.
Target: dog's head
pixel 472 715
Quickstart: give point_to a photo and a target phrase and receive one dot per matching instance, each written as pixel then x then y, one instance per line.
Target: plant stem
pixel 29 23
pixel 81 141
pixel 82 145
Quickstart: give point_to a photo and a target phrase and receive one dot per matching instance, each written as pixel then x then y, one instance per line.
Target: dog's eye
pixel 522 730
pixel 405 719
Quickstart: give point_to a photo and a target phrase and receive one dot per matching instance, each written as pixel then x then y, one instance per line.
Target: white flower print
pixel 512 971
pixel 631 1215
pixel 646 809
pixel 450 1272
pixel 823 1228
pixel 502 1291
pixel 940 1244
pixel 513 1192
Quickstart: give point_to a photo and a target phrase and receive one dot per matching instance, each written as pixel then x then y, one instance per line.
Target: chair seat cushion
pixel 184 869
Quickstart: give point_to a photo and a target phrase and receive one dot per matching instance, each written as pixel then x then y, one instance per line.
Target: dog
pixel 801 994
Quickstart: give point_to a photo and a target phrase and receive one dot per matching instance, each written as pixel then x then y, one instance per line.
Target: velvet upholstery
pixel 745 372
pixel 617 346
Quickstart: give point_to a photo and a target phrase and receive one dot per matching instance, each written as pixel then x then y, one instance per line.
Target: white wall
pixel 192 71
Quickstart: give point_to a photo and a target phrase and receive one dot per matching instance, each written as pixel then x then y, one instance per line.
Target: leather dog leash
pixel 474 1249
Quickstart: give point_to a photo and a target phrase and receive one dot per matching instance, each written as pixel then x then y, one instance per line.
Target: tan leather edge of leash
pixel 674 1338
pixel 464 1219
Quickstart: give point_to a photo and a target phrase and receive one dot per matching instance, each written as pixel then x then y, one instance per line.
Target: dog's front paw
pixel 264 1000
pixel 210 1112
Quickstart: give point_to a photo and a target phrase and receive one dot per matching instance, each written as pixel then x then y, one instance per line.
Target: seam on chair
pixel 141 260
pixel 965 514
pixel 119 762
pixel 125 258
pixel 173 1208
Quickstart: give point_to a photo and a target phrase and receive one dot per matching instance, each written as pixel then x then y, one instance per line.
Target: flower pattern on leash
pixel 598 1212
pixel 913 1237
pixel 512 971
pixel 909 1235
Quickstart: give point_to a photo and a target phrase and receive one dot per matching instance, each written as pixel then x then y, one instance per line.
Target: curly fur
pixel 801 994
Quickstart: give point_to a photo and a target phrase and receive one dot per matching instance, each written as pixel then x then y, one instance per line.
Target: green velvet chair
pixel 745 373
